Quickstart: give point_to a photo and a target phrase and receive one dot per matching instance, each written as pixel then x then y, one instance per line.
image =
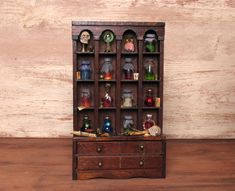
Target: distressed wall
pixel 36 63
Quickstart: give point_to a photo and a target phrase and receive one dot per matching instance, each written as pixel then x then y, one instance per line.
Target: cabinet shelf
pixel 129 108
pixel 129 81
pixel 129 53
pixel 107 53
pixel 84 53
pixel 107 108
pixel 86 108
pixel 152 108
pixel 151 53
pixel 151 81
pixel 85 81
pixel 107 81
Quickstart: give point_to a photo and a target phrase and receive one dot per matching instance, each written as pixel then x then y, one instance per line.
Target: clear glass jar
pixel 107 69
pixel 85 70
pixel 86 124
pixel 150 42
pixel 107 125
pixel 149 69
pixel 128 68
pixel 127 98
pixel 149 99
pixel 128 122
pixel 149 122
pixel 85 98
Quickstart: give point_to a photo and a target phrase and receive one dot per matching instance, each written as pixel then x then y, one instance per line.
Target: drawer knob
pixel 100 164
pixel 142 147
pixel 141 163
pixel 99 149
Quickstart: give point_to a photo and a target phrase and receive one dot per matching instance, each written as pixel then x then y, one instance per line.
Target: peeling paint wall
pixel 36 63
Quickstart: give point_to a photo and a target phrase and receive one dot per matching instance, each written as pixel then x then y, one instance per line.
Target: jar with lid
pixel 85 98
pixel 150 42
pixel 128 68
pixel 127 98
pixel 86 124
pixel 149 99
pixel 148 122
pixel 149 69
pixel 128 122
pixel 107 69
pixel 85 70
pixel 107 125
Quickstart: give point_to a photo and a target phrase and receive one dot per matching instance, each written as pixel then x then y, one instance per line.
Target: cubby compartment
pixel 85 95
pixel 107 42
pixel 129 66
pixel 107 95
pixel 129 42
pixel 85 42
pixel 150 42
pixel 103 114
pixel 129 95
pixel 129 119
pixel 107 67
pixel 91 117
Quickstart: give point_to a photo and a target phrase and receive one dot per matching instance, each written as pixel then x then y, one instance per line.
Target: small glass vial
pixel 107 100
pixel 128 68
pixel 150 42
pixel 127 98
pixel 149 67
pixel 85 98
pixel 86 124
pixel 149 122
pixel 85 70
pixel 149 99
pixel 107 125
pixel 128 122
pixel 107 69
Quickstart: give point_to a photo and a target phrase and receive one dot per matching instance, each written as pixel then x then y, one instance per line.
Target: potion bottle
pixel 85 98
pixel 85 70
pixel 86 124
pixel 149 99
pixel 107 100
pixel 149 70
pixel 149 122
pixel 107 125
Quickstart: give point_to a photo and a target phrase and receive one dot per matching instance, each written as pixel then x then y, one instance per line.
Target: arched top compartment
pixel 129 41
pixel 107 41
pixel 151 43
pixel 85 42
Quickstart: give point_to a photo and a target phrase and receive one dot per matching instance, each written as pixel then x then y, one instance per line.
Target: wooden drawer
pixel 98 148
pixel 95 163
pixel 141 162
pixel 144 147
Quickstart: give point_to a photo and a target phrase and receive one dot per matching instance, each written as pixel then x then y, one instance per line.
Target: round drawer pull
pixel 141 147
pixel 141 163
pixel 100 164
pixel 99 149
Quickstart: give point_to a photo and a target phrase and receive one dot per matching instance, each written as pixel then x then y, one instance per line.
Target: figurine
pixel 129 45
pixel 108 38
pixel 84 39
pixel 106 69
pixel 107 100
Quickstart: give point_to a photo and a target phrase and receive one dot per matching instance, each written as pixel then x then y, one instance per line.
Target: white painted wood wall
pixel 36 63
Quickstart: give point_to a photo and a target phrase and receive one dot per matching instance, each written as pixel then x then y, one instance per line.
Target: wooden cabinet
pixel 128 56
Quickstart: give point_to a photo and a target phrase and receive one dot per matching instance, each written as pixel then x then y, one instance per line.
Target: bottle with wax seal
pixel 149 99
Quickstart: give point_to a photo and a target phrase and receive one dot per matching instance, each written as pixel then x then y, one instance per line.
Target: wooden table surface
pixel 45 164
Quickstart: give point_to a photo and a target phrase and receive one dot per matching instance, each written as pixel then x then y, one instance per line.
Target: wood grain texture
pixel 36 63
pixel 45 164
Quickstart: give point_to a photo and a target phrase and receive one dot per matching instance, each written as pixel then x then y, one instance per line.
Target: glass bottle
pixel 86 124
pixel 128 122
pixel 149 66
pixel 150 43
pixel 149 99
pixel 107 69
pixel 85 70
pixel 85 98
pixel 148 122
pixel 127 98
pixel 107 125
pixel 107 100
pixel 128 68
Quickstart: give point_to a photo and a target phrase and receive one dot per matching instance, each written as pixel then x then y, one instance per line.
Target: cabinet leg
pixel 74 160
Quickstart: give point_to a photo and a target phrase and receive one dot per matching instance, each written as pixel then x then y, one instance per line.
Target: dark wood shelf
pixel 129 108
pixel 84 53
pixel 129 53
pixel 85 81
pixel 129 81
pixel 152 108
pixel 151 81
pixel 107 53
pixel 107 108
pixel 151 53
pixel 106 81
pixel 87 108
